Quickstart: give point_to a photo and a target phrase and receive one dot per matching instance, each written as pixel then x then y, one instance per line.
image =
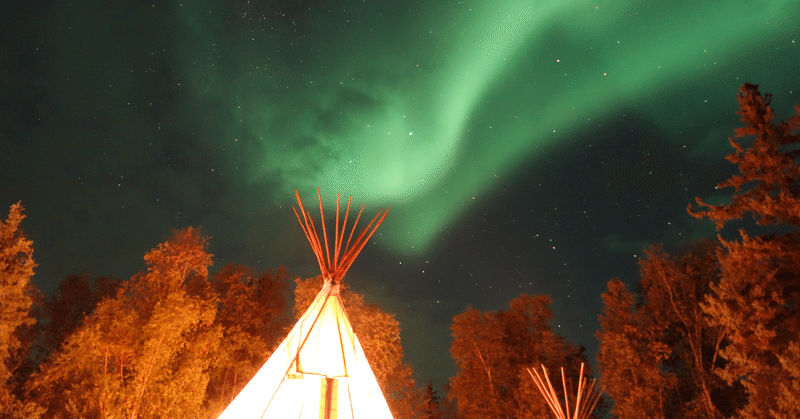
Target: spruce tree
pixel 16 320
pixel 757 300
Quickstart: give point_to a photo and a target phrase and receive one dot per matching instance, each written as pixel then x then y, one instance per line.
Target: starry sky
pixel 523 146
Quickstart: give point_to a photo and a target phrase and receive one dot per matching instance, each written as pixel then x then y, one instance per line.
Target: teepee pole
pixel 336 236
pixel 566 395
pixel 588 394
pixel 307 224
pixel 360 242
pixel 322 221
pixel 334 269
pixel 319 370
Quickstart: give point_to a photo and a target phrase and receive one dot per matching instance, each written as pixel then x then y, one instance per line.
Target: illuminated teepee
pixel 319 371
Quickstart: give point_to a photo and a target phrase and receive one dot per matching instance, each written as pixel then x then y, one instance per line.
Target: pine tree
pixel 16 301
pixel 430 406
pixel 757 300
pixel 447 404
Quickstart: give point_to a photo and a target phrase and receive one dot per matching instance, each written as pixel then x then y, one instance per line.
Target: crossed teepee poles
pixel 334 269
pixel 586 397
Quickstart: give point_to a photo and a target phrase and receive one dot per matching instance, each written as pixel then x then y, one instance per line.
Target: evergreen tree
pixel 430 406
pixel 16 320
pixel 447 404
pixel 757 300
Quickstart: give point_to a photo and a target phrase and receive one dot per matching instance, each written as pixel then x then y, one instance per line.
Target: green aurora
pixel 431 107
pixel 425 105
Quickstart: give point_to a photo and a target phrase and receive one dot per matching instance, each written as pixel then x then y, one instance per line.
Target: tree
pixel 64 311
pixel 492 351
pixel 430 407
pixel 145 352
pixel 16 301
pixel 665 315
pixel 480 356
pixel 254 319
pixel 629 358
pixel 672 290
pixel 447 404
pixel 379 334
pixel 768 184
pixel 757 300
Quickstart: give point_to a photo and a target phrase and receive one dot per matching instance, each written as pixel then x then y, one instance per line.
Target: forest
pixel 710 331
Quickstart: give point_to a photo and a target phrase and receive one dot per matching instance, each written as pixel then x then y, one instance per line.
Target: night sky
pixel 523 146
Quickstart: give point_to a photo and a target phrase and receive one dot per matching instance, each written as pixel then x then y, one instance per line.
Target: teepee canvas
pixel 319 371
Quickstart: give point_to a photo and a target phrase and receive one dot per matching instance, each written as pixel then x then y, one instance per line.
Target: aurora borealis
pixel 532 146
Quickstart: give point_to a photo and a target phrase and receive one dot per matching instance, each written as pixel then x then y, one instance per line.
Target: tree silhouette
pixel 430 407
pixel 64 311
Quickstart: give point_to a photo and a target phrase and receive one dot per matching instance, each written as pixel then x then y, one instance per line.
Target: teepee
pixel 319 371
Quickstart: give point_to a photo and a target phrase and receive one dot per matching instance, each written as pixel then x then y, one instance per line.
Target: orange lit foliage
pixel 430 404
pixel 492 350
pixel 379 334
pixel 657 358
pixel 254 320
pixel 629 357
pixel 144 352
pixel 16 290
pixel 77 297
pixel 757 301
